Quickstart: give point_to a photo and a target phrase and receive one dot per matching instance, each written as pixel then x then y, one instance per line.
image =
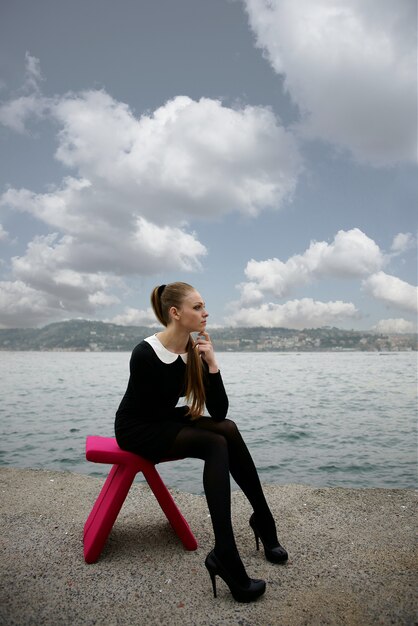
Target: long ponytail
pixel 162 299
pixel 195 388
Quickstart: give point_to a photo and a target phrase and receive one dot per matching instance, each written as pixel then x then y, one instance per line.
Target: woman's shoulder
pixel 143 359
pixel 142 350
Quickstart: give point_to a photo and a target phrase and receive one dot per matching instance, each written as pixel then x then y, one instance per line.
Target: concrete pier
pixel 353 558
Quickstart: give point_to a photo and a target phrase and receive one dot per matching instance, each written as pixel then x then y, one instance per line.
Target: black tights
pixel 223 450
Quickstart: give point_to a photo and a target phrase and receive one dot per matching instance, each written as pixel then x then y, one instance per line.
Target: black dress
pixel 148 418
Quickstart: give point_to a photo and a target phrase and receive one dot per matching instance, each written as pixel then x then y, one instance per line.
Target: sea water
pixel 323 419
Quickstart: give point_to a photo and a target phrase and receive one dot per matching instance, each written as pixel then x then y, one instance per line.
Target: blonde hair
pixel 162 299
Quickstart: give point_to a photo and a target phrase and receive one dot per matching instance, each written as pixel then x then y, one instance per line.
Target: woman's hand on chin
pixel 204 346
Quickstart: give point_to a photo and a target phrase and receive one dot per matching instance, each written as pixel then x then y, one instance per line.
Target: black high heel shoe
pixel 275 553
pixel 247 593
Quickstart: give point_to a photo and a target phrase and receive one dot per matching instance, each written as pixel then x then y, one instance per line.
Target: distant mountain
pixel 82 335
pixel 74 335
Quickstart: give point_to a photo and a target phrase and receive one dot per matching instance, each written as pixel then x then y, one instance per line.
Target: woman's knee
pixel 229 426
pixel 229 430
pixel 226 428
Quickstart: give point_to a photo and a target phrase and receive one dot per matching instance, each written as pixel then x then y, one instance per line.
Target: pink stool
pixel 112 496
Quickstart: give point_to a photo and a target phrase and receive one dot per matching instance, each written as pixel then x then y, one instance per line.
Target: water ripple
pixel 320 419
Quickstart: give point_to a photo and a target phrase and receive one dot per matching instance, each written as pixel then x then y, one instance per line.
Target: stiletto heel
pixel 275 553
pixel 213 579
pixel 257 543
pixel 247 593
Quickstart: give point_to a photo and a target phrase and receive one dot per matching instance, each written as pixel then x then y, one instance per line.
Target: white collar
pixel 161 351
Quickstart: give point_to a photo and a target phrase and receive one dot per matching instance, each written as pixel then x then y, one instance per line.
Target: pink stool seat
pixel 103 515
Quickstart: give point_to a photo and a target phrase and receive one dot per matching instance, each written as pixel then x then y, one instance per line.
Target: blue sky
pixel 263 151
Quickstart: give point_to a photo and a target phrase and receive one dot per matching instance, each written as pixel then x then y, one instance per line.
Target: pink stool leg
pixel 105 510
pixel 113 494
pixel 166 502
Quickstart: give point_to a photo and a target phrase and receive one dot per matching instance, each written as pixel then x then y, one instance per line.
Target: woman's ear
pixel 173 312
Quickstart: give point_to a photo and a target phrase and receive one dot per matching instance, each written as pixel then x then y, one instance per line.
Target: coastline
pixel 353 557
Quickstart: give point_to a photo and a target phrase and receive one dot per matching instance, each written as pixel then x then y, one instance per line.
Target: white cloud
pixel 351 255
pixel 304 313
pixel 97 244
pixel 188 159
pixel 136 184
pixel 393 291
pixel 136 317
pixel 350 66
pixel 57 208
pixel 46 276
pixel 403 242
pixel 398 325
pixel 15 113
pixel 22 306
pixel 163 246
pixel 4 235
pixel 33 74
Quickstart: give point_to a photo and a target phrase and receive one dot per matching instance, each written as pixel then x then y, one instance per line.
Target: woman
pixel 170 365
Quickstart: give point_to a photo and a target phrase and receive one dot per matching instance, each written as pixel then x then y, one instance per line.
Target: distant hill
pixel 82 335
pixel 74 335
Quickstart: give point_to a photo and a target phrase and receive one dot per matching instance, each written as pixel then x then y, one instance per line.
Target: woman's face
pixel 192 314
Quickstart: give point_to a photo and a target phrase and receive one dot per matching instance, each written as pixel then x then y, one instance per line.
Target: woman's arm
pixel 216 398
pixel 139 395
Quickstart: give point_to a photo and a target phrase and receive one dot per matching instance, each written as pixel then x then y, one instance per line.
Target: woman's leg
pixel 244 472
pixel 212 448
